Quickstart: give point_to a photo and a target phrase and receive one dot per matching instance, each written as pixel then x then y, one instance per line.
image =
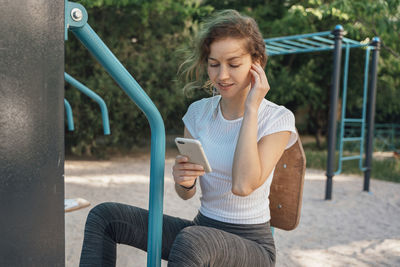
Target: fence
pixel 386 137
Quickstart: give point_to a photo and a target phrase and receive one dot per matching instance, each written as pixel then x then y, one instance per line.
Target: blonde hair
pixel 222 24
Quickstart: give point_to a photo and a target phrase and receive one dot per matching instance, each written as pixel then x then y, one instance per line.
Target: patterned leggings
pixel 201 242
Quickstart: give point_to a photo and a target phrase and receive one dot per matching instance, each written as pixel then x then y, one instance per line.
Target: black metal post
pixel 32 133
pixel 371 113
pixel 334 95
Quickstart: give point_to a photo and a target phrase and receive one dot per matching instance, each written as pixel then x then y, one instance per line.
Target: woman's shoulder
pixel 272 110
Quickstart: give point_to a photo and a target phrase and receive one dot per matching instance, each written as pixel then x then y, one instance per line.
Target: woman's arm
pixel 185 174
pixel 253 162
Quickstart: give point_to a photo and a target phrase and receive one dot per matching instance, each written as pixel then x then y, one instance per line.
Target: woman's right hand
pixel 185 173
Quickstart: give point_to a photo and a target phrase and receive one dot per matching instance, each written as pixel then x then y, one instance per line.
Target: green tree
pixel 144 36
pixel 302 81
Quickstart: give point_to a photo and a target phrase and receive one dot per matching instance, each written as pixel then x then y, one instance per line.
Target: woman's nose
pixel 223 73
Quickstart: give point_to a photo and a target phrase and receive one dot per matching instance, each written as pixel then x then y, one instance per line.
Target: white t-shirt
pixel 219 136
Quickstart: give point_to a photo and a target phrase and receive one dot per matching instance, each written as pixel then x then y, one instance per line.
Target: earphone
pixel 214 91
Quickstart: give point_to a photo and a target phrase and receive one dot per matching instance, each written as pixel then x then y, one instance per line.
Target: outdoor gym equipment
pixel 334 40
pixel 92 95
pixel 70 118
pixel 76 21
pixel 286 191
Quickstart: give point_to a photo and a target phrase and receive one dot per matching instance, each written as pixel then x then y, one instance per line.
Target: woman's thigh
pixel 206 246
pixel 125 224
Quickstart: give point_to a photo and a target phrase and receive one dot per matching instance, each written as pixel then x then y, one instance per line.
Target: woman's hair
pixel 223 24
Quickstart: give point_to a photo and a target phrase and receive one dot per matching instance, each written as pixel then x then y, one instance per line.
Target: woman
pixel 243 136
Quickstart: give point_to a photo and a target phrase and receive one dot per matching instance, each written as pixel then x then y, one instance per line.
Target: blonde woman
pixel 243 136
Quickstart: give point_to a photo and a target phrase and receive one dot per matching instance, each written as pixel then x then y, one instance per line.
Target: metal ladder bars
pixel 345 120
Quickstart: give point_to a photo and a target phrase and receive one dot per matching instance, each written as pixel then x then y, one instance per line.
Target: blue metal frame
pixel 100 51
pixel 70 118
pixel 344 102
pixel 103 107
pixel 326 41
pixel 345 120
pixel 305 43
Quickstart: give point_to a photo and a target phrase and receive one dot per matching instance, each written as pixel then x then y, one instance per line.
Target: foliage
pixel 361 19
pixel 146 37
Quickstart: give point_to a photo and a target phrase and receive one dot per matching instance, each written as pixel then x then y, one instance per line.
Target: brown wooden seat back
pixel 287 188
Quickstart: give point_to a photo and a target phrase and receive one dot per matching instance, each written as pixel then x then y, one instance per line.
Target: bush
pixel 145 36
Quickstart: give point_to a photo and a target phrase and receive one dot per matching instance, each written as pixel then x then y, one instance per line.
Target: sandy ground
pixel 354 229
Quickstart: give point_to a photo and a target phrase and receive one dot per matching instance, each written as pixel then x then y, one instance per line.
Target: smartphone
pixel 192 149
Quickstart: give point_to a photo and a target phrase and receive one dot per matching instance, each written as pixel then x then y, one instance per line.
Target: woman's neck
pixel 232 108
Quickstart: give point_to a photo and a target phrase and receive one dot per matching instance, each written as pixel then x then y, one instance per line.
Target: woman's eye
pixel 217 65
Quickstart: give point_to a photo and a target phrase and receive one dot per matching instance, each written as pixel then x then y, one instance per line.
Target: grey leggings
pixel 201 242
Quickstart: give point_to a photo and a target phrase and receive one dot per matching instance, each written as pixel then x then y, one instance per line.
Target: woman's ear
pixel 256 61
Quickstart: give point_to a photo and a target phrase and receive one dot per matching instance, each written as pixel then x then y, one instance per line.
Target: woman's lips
pixel 225 86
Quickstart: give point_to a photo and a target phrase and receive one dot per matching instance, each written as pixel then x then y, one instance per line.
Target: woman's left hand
pixel 259 86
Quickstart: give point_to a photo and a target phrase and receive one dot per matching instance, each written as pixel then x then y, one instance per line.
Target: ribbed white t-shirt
pixel 218 136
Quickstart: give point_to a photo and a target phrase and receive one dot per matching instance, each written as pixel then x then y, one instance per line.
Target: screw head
pixel 284 166
pixel 76 14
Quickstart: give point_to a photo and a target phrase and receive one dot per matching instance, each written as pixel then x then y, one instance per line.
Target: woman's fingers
pixel 184 177
pixel 188 166
pixel 256 79
pixel 259 86
pixel 255 74
pixel 183 171
pixel 181 162
pixel 187 172
pixel 181 159
pixel 261 76
pixel 191 166
pixel 261 72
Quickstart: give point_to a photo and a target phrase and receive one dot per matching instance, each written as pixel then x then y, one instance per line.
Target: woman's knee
pixel 101 214
pixel 101 209
pixel 190 247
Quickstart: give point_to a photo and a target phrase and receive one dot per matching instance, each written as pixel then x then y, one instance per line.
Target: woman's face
pixel 228 66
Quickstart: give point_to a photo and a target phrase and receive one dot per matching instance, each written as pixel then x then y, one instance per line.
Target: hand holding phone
pixel 192 149
pixel 185 174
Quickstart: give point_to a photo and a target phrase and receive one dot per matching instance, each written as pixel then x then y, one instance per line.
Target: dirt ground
pixel 354 229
